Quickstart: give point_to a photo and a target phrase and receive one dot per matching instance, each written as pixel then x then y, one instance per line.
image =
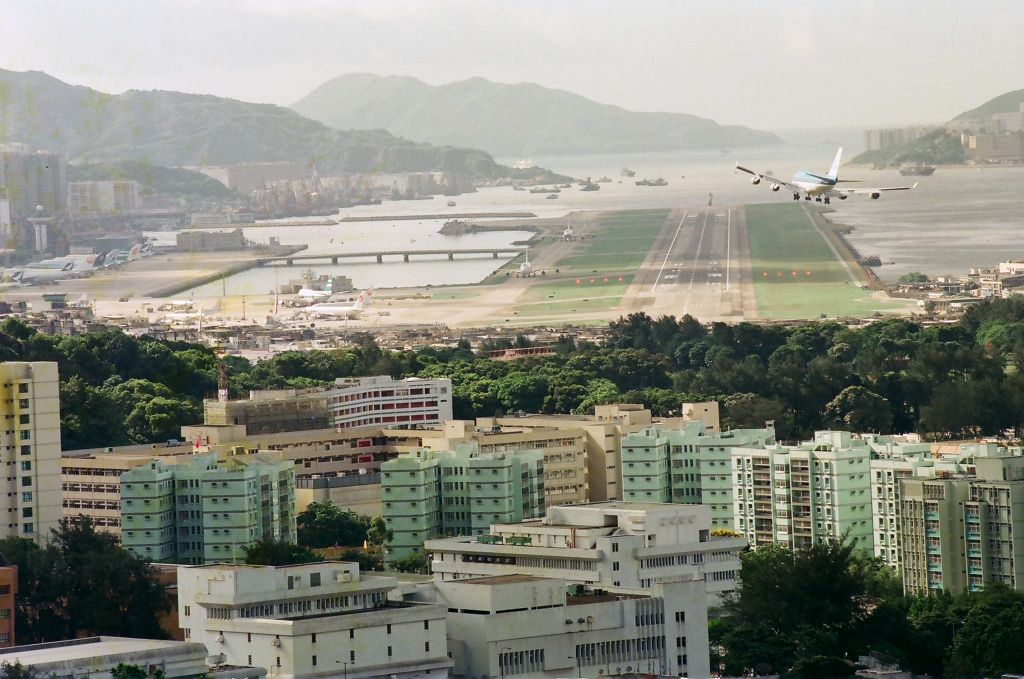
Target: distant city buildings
pixel 92 198
pixel 32 179
pixel 382 400
pixel 882 139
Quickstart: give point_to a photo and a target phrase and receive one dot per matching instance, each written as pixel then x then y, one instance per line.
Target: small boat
pixel 552 196
pixel 655 182
pixel 626 172
pixel 604 180
pixel 451 203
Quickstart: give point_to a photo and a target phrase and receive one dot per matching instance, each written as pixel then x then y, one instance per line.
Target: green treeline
pixel 895 375
pixel 808 613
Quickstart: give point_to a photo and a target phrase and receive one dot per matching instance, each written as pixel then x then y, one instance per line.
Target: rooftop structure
pixel 312 620
pixel 618 546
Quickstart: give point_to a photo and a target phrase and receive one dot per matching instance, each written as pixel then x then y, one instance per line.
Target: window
pixel 278 661
pixel 26 449
pixel 248 637
pixel 314 661
pixel 351 656
pixel 426 647
pixel 615 565
pixel 250 661
pixel 26 465
pixel 312 638
pixel 389 651
pixel 426 624
pixel 28 528
pixel 351 634
pixel 314 579
pixel 615 546
pixel 389 629
pixel 188 612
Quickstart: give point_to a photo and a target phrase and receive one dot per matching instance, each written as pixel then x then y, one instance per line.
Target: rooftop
pixel 91 647
pixel 502 580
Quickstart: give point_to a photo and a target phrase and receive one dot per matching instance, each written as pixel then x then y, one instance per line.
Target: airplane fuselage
pixel 813 184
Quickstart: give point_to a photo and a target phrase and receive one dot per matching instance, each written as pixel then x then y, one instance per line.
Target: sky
pixel 783 64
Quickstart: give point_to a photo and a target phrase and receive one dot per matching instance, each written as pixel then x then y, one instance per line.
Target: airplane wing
pixel 874 193
pixel 768 178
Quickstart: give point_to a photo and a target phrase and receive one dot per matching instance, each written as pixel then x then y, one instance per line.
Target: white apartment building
pixel 30 449
pixel 312 620
pixel 526 626
pixel 382 400
pixel 613 545
pixel 103 197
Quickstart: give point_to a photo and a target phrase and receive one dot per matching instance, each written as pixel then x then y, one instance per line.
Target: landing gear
pixel 817 199
pixel 807 197
pixel 827 200
pixel 796 196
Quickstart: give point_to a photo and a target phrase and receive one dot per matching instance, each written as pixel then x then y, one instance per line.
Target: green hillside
pixel 1004 103
pixel 514 120
pixel 175 129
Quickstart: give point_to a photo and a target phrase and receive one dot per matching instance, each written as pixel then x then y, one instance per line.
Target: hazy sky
pixel 773 64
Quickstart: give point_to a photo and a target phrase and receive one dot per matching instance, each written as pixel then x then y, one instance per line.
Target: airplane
pixel 41 272
pixel 309 293
pixel 341 310
pixel 822 188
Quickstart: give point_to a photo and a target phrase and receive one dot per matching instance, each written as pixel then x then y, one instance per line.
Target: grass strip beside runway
pixel 794 271
pixel 621 241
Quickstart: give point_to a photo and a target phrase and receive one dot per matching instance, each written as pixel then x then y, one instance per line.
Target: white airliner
pixel 309 293
pixel 42 272
pixel 822 188
pixel 341 310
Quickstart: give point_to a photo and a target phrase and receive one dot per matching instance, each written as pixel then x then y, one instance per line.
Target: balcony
pixel 973 535
pixel 932 516
pixel 974 553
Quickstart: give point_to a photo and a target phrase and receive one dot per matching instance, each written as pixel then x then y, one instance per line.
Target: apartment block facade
pixel 205 511
pixel 383 400
pixel 689 464
pixel 427 494
pixel 30 449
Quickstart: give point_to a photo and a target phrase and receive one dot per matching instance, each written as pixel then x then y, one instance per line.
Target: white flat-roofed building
pixel 312 620
pixel 95 657
pixel 525 626
pixel 383 400
pixel 611 545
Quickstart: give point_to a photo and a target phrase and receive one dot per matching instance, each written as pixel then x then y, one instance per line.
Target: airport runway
pixel 699 265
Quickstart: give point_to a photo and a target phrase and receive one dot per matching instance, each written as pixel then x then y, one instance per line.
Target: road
pixel 699 266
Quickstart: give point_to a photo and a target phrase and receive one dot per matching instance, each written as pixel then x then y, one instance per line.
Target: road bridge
pixel 379 255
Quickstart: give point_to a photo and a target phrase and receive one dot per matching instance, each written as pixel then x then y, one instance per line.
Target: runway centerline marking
pixel 696 258
pixel 669 252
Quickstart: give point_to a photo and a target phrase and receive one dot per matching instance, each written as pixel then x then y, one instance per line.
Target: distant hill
pixel 512 120
pixel 1004 103
pixel 175 129
pixel 938 147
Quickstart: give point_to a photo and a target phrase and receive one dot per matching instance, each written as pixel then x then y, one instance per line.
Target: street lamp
pixel 344 667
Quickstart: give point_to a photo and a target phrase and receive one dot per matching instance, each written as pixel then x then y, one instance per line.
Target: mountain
pixel 177 129
pixel 512 120
pixel 1004 103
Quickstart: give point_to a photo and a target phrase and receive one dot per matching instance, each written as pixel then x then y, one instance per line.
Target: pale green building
pixel 202 511
pixel 687 465
pixel 432 493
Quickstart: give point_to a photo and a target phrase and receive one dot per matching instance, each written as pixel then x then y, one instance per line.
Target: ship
pixel 552 196
pixel 655 182
pixel 604 180
pixel 589 186
pixel 541 189
pixel 918 170
pixel 626 172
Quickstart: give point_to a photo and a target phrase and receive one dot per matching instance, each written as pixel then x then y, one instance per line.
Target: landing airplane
pixel 341 310
pixel 822 188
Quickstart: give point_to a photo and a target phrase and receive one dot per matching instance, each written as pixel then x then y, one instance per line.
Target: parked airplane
pixel 341 310
pixel 41 272
pixel 309 293
pixel 822 188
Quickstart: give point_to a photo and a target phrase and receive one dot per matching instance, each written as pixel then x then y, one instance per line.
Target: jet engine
pixel 775 187
pixel 755 180
pixel 875 195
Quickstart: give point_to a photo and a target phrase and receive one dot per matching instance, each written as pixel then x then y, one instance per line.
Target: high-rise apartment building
pixel 30 446
pixel 689 464
pixel 428 493
pixel 92 198
pixel 202 511
pixel 33 179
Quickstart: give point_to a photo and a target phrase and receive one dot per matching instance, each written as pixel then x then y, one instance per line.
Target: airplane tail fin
pixel 364 299
pixel 833 173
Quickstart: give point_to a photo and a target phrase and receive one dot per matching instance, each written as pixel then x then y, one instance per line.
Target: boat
pixel 552 196
pixel 542 189
pixel 451 203
pixel 516 187
pixel 626 172
pixel 917 170
pixel 590 186
pixel 604 180
pixel 652 182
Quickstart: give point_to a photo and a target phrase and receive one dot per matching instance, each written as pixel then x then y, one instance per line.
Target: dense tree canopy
pixel 893 375
pixel 269 552
pixel 323 524
pixel 83 583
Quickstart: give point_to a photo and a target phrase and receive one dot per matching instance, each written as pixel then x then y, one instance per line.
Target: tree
pixel 323 524
pixel 820 667
pixel 859 409
pixel 988 644
pixel 268 552
pixel 414 563
pixel 914 277
pixel 378 534
pixel 84 584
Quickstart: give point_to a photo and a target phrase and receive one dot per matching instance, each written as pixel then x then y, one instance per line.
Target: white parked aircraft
pixel 822 188
pixel 309 293
pixel 42 272
pixel 330 309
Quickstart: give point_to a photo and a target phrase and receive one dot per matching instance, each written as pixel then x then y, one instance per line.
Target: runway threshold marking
pixel 669 252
